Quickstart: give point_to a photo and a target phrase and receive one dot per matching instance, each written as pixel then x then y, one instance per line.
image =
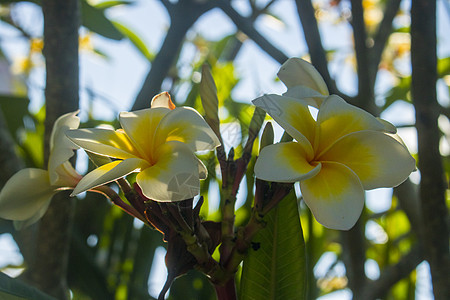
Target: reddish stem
pixel 226 291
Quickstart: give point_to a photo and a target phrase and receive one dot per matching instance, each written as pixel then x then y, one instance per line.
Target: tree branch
pixel 354 256
pixel 183 15
pixel 432 185
pixel 381 37
pixel 246 26
pixel 311 32
pixel 365 97
pixel 391 275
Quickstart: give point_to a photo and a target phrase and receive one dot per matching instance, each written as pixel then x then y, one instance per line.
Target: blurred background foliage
pixel 113 256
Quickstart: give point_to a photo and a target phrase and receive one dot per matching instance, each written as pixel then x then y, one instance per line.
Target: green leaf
pixel 14 108
pixel 95 20
pixel 14 289
pixel 399 92
pixel 277 270
pixel 135 40
pixel 108 4
pixel 443 66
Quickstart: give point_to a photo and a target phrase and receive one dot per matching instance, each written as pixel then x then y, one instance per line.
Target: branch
pixel 354 257
pixel 246 26
pixel 308 20
pixel 382 36
pixel 183 15
pixel 366 97
pixel 432 185
pixel 407 194
pixel 391 275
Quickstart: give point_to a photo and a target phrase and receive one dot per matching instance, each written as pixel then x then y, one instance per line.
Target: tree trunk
pixel 432 185
pixel 61 23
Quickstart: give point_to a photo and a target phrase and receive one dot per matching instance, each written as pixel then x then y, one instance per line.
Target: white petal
pixel 162 100
pixel 63 123
pixel 284 162
pixel 104 142
pixel 335 196
pixel 377 159
pixel 19 225
pixel 186 125
pixel 109 172
pixel 174 177
pixel 388 127
pixel 61 148
pixel 296 71
pixel 337 118
pixel 25 194
pixel 293 115
pixel 67 176
pixel 312 97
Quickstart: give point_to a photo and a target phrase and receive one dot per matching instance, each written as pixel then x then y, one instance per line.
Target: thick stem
pixel 226 291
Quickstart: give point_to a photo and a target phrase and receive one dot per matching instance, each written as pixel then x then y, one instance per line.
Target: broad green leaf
pixel 14 289
pixel 210 102
pixel 95 20
pixel 135 40
pixel 277 270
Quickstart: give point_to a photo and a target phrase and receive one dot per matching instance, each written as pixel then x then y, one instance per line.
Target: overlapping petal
pixel 296 71
pixel 186 125
pixel 293 115
pixel 62 124
pixel 175 175
pixel 109 172
pixel 377 159
pixel 337 118
pixel 310 96
pixel 61 148
pixel 335 196
pixel 25 194
pixel 104 142
pixel 162 100
pixel 284 162
pixel 140 126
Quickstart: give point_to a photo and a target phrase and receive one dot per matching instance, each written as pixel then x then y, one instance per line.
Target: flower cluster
pixel 335 156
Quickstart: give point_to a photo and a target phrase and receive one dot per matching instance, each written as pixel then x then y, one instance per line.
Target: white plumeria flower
pixel 28 193
pixel 335 158
pixel 159 143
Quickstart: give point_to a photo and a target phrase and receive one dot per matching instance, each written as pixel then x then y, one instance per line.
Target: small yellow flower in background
pixel 159 143
pixel 36 45
pixel 85 42
pixel 28 193
pixel 22 65
pixel 335 158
